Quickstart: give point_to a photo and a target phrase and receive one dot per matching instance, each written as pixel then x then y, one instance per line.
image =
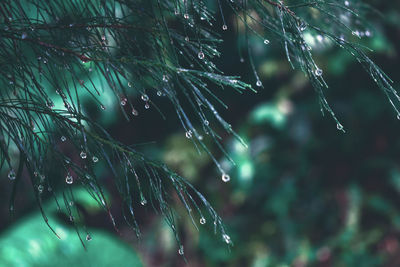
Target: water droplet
pixel 180 250
pixel 129 84
pixel 159 93
pixel 135 112
pixel 259 83
pixel 189 134
pixel 200 55
pixel 24 35
pixel 145 97
pixel 40 188
pixel 11 175
pixel 339 126
pixel 318 72
pixel 83 155
pixel 187 38
pixel 123 101
pixel 186 16
pixel 225 178
pixel 346 3
pixel 95 159
pixel 224 27
pixel 241 60
pixel 206 122
pixel 88 237
pixel 143 202
pixel 69 179
pixel 398 116
pixel 226 238
pixel 147 105
pixel 63 138
pixel 165 78
pixel 202 220
pixel 102 107
pixel 266 41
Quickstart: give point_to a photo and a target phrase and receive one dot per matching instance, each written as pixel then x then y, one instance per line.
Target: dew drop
pixel 318 72
pixel 95 159
pixel 11 175
pixel 165 78
pixel 186 16
pixel 189 134
pixel 135 112
pixel 63 138
pixel 339 126
pixel 206 122
pixel 129 84
pixel 143 202
pixel 145 97
pixel 180 250
pixel 226 238
pixel 88 237
pixel 200 55
pixel 102 107
pixel 24 35
pixel 225 178
pixel 224 27
pixel 123 101
pixel 259 83
pixel 398 116
pixel 69 179
pixel 83 155
pixel 266 41
pixel 40 188
pixel 147 105
pixel 159 93
pixel 202 220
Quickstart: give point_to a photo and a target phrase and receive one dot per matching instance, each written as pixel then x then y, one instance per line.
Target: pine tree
pixel 137 52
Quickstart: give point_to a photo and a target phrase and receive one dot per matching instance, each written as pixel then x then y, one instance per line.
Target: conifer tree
pixel 136 53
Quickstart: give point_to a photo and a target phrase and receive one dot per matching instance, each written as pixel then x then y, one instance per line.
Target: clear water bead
pixel 165 78
pixel 200 55
pixel 143 202
pixel 88 237
pixel 40 188
pixel 180 250
pixel 225 178
pixel 266 41
pixel 186 16
pixel 224 27
pixel 189 134
pixel 259 83
pixel 226 238
pixel 11 175
pixel 147 105
pixel 24 35
pixel 69 179
pixel 339 126
pixel 145 97
pixel 202 220
pixel 83 155
pixel 159 93
pixel 95 159
pixel 135 112
pixel 63 138
pixel 318 72
pixel 398 116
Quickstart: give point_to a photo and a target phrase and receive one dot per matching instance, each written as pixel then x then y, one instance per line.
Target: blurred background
pixel 302 194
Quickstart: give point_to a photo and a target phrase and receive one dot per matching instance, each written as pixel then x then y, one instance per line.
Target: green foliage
pixel 29 243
